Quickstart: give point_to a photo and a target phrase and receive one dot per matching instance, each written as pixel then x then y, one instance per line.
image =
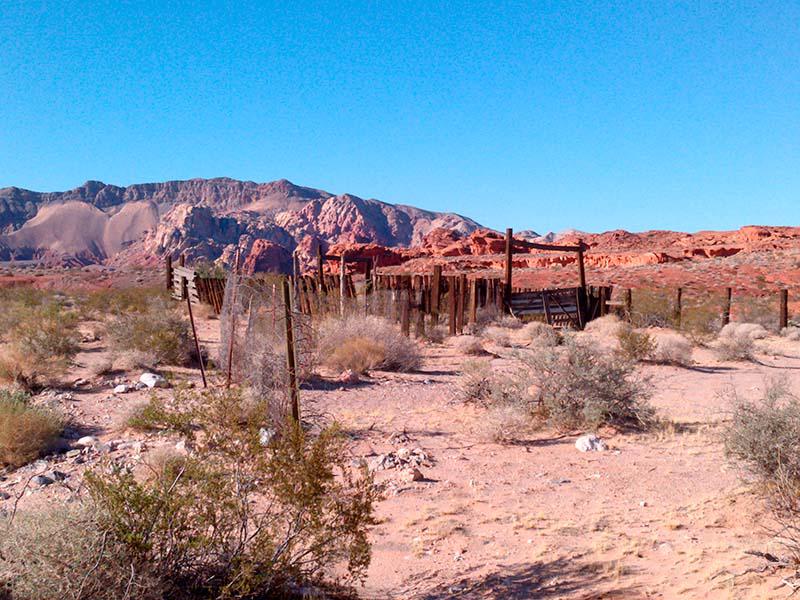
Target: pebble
pixel 590 443
pixel 122 388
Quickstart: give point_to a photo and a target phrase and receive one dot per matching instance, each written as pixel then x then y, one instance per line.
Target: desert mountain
pixel 204 218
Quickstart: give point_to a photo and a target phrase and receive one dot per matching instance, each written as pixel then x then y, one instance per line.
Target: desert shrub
pixel 436 334
pixel 604 327
pixel 672 349
pixel 129 360
pixel 701 315
pixel 338 337
pixel 66 552
pixel 736 341
pixel 508 322
pixel 469 345
pixel 760 310
pixel 477 382
pixel 41 343
pixel 762 435
pixel 26 432
pixel 155 415
pixel 580 385
pixel 237 518
pixel 540 334
pixel 159 330
pixel 791 333
pixel 498 336
pixel 635 345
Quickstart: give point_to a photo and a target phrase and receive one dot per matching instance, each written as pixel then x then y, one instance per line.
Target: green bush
pixel 298 503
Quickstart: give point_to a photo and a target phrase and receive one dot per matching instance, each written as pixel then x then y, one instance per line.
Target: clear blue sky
pixel 542 115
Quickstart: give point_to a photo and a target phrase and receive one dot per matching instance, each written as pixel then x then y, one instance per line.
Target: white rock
pixel 86 441
pixel 265 436
pixel 122 389
pixel 590 443
pixel 153 380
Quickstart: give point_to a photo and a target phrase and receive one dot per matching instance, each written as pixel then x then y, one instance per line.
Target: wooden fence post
pixel 628 304
pixel 436 292
pixel 581 268
pixel 341 285
pixel 405 309
pixel 473 301
pixel 678 308
pixel 320 273
pixel 290 357
pixel 784 317
pixel 452 283
pixel 507 289
pixel 726 308
pixel 170 272
pixel 462 288
pixel 368 285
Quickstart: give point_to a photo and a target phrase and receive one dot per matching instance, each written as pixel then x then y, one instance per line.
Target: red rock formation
pixel 267 257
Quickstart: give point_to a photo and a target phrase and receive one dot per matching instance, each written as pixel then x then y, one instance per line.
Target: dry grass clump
pixel 26 432
pixel 505 423
pixel 791 333
pixel 469 345
pixel 478 382
pixel 604 327
pixel 635 345
pixel 159 331
pixel 736 341
pixel 436 334
pixel 130 360
pixel 508 322
pixel 41 342
pixel 66 552
pixel 672 349
pixel 540 334
pixel 499 336
pixel 366 342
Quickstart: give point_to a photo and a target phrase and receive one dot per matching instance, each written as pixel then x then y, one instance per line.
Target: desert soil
pixel 657 515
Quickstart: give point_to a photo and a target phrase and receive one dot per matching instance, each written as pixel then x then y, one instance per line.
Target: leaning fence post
pixel 196 341
pixel 436 286
pixel 232 333
pixel 784 317
pixel 451 302
pixel 290 357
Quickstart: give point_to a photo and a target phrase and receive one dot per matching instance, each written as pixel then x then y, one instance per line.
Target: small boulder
pixel 86 441
pixel 266 435
pixel 349 376
pixel 590 443
pixel 122 388
pixel 412 474
pixel 42 481
pixel 153 380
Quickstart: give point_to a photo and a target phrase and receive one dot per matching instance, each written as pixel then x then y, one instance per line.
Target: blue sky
pixel 540 115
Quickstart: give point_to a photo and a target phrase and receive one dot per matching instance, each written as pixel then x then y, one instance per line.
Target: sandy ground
pixel 658 515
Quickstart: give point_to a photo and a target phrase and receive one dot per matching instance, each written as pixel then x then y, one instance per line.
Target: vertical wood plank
pixel 507 288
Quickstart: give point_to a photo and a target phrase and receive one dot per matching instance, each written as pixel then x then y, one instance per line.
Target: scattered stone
pixel 349 376
pixel 139 386
pixel 86 441
pixel 643 504
pixel 153 380
pixel 412 474
pixel 402 458
pixel 80 382
pixel 122 388
pixel 590 443
pixel 4 496
pixel 57 475
pixel 73 453
pixel 42 481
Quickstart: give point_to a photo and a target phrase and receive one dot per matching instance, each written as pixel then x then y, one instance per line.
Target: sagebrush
pixel 371 342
